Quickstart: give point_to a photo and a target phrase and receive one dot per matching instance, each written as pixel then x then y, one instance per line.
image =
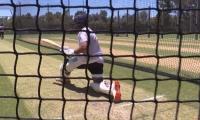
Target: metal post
pixel 20 15
pixel 68 7
pixel 47 8
pixel 162 18
pixel 118 20
pixel 162 23
pixel 190 21
pixel 127 14
pixel 196 20
pixel 83 4
pixel 47 15
pixel 20 19
pixel 20 10
pixel 149 23
pixel 177 24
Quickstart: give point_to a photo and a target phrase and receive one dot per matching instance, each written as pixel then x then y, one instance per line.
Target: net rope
pixel 151 28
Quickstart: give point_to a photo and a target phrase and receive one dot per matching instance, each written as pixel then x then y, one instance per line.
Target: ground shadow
pixel 157 72
pixel 74 88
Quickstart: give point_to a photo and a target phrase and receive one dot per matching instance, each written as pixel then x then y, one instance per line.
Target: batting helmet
pixel 80 19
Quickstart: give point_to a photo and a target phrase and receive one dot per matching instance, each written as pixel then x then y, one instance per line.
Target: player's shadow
pixel 73 87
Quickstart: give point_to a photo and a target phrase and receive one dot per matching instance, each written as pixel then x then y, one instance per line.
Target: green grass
pixel 34 47
pixel 148 50
pixel 120 47
pixel 141 49
pixel 103 37
pixel 130 40
pixel 146 67
pixel 170 71
pixel 8 105
pixel 168 88
pixel 46 50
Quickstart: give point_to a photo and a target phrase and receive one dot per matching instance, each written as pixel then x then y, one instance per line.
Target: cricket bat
pixel 52 43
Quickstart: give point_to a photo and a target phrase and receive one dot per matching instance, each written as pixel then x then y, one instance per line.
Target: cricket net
pixel 152 47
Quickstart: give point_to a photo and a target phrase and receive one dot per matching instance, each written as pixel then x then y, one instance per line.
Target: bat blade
pixel 51 43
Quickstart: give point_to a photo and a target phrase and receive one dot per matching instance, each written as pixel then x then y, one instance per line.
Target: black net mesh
pixel 151 47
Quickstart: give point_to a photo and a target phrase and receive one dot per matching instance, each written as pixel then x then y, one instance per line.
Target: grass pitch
pixel 8 104
pixel 75 94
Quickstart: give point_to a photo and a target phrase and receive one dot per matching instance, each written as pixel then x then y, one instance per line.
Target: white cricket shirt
pixel 94 47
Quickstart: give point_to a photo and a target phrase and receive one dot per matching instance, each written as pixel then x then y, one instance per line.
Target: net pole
pixel 179 62
pixel 134 63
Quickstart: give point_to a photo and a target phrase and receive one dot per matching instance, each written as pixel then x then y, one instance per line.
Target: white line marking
pixel 152 98
pixel 71 116
pixel 130 104
pixel 124 105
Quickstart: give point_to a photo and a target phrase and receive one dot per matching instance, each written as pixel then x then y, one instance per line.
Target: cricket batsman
pixel 88 45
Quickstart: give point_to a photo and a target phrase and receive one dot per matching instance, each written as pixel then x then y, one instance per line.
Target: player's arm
pixel 83 43
pixel 82 48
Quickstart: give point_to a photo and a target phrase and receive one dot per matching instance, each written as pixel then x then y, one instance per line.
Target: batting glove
pixel 68 51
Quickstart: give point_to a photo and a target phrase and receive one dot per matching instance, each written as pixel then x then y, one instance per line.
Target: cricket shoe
pixel 104 87
pixel 67 80
pixel 116 91
pixel 61 80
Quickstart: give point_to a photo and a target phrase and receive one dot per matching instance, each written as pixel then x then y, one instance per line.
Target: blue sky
pixel 92 3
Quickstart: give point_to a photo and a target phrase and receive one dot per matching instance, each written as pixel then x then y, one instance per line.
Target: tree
pixel 103 15
pixel 143 16
pixel 189 19
pixel 79 13
pixel 166 15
